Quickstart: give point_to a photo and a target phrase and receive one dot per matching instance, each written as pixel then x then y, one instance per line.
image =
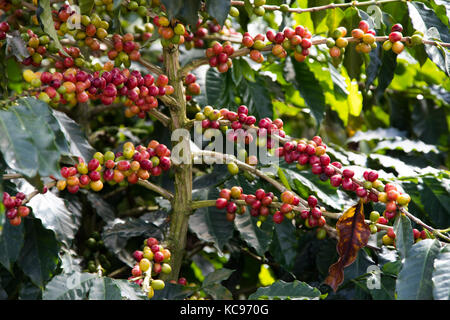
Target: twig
pixel 150 186
pixel 165 120
pixel 118 271
pixel 245 51
pixel 320 8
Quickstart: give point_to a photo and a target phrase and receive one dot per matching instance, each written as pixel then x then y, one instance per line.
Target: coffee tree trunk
pixel 181 204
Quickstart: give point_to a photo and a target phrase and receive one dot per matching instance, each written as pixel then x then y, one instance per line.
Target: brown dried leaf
pixel 353 234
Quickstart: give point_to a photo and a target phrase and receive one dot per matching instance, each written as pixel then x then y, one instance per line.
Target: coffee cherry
pixel 403 199
pixel 374 216
pixel 395 36
pixel 157 284
pixel 397 28
pixel 387 241
pixel 397 47
pixel 221 203
pixel 391 233
pixel 312 201
pixel 321 233
pixel 233 168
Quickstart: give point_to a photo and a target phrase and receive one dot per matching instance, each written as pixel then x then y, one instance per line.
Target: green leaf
pixel 378 134
pixel 386 73
pixel 374 66
pixel 210 224
pixel 39 255
pixel 425 20
pixel 89 286
pixel 405 145
pixel 215 84
pixel 284 245
pixel 44 15
pixel 211 285
pixel 217 276
pixel 57 214
pixel 18 48
pixel 33 142
pixel 435 197
pixel 258 238
pixel 11 242
pixel 218 9
pixel 414 280
pixel 86 6
pixel 189 11
pixel 73 286
pixel 338 79
pixel 117 232
pixel 79 145
pixel 173 291
pixel 256 97
pixel 172 7
pixel 28 291
pixel 404 238
pixel 441 275
pixel 310 90
pixel 295 290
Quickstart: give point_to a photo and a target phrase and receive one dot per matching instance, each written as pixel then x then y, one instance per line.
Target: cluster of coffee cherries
pixel 258 8
pixel 313 152
pixel 394 199
pixel 366 37
pixel 191 86
pixel 151 261
pixel 133 164
pixel 297 40
pixel 86 30
pixel 138 91
pixel 240 120
pixel 15 210
pixel 196 39
pixel 313 216
pixel 306 152
pixel 209 118
pixel 394 42
pixel 255 44
pixel 4 28
pixel 144 32
pixel 337 43
pixel 389 238
pixel 124 50
pixel 96 255
pixel 219 54
pixel 259 202
pixel 140 7
pixel 37 47
pixel 170 34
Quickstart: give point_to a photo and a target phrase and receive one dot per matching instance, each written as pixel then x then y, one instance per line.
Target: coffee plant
pixel 216 149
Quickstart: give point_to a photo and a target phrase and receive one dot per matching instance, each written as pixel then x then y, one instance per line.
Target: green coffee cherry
pixel 234 12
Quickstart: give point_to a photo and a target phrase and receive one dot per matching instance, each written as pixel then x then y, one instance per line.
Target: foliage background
pixel 379 111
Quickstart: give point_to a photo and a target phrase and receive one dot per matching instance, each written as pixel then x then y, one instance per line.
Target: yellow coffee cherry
pixel 96 185
pixel 144 264
pixel 61 185
pixel 28 75
pixel 151 293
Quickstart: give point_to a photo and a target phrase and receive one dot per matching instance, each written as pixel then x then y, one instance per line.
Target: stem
pixel 177 237
pixel 36 192
pixel 245 51
pixel 325 7
pixel 150 186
